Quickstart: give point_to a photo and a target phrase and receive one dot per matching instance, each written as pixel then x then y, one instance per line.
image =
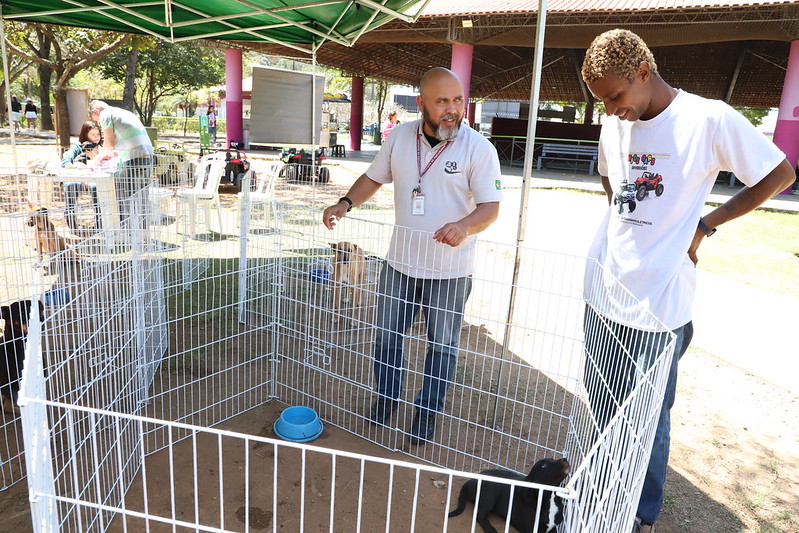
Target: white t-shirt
pixel 465 173
pixel 661 171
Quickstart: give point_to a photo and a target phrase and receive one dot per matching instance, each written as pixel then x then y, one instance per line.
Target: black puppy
pixel 495 498
pixel 15 331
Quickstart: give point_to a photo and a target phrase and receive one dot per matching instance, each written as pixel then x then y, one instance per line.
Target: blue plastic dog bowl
pixel 56 297
pixel 298 424
pixel 320 275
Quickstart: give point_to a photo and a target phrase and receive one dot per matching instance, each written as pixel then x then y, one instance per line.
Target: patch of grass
pixel 760 248
pixel 463 373
pixel 775 466
pixel 669 501
pixel 753 501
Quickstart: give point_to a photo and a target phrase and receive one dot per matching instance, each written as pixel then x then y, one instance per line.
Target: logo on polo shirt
pixel 498 184
pixel 451 167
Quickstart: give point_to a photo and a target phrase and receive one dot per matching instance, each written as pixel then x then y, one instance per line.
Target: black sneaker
pixel 422 427
pixel 381 410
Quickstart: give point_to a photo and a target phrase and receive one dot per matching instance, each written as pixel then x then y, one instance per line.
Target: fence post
pixel 244 230
pixel 36 433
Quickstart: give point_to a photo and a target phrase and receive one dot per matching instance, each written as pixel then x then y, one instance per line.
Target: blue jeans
pixel 71 191
pixel 398 299
pixel 614 351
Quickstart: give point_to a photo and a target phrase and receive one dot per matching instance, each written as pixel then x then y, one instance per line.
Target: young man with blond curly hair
pixel 660 151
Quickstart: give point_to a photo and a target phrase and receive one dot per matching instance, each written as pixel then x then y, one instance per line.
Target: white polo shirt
pixel 465 173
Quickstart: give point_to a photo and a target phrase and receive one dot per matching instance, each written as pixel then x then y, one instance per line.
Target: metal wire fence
pixel 158 328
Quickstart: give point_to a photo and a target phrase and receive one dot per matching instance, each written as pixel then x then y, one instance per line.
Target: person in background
pixel 124 136
pixel 16 109
pixel 212 124
pixel 390 123
pixel 447 187
pixel 651 129
pixel 81 152
pixel 30 114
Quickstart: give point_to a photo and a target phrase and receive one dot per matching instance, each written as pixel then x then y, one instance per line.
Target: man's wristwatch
pixel 705 229
pixel 345 199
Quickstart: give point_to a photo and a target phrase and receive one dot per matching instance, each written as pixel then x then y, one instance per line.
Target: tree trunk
pixel 382 91
pixel 45 80
pixel 62 119
pixel 45 112
pixel 129 94
pixel 4 105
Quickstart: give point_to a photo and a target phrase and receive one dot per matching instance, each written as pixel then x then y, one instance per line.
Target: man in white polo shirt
pixel 446 180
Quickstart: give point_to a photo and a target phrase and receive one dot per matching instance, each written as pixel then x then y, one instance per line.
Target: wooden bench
pixel 574 154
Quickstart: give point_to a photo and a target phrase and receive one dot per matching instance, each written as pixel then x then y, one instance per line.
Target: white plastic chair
pixel 260 198
pixel 204 195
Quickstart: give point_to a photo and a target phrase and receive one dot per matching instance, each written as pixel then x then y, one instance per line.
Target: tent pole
pixel 314 140
pixel 8 104
pixel 535 91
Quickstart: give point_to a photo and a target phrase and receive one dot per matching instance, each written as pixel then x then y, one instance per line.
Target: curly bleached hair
pixel 616 53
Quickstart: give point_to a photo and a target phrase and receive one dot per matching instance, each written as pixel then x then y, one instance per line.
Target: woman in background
pixel 89 141
pixel 212 123
pixel 30 114
pixel 388 124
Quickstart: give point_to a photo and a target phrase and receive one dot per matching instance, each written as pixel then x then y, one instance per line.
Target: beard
pixel 443 133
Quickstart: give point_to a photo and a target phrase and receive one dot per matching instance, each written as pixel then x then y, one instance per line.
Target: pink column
pixel 233 106
pixel 461 65
pixel 356 114
pixel 786 134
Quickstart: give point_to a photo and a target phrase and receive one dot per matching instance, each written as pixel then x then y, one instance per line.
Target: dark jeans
pixel 617 357
pixel 71 192
pixel 131 182
pixel 398 299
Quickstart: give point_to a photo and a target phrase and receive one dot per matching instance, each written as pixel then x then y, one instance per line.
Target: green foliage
pixel 167 69
pixel 192 125
pixel 755 115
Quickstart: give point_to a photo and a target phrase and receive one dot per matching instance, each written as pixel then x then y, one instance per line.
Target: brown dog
pixel 48 241
pixel 349 268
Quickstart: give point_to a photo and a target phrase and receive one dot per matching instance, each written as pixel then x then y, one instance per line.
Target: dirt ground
pixel 734 467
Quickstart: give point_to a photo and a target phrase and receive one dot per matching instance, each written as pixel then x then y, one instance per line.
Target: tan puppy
pixel 349 267
pixel 48 241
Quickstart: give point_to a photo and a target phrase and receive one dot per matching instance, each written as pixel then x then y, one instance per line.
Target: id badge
pixel 418 205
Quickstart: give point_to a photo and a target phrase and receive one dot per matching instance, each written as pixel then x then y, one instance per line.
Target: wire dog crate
pixel 147 398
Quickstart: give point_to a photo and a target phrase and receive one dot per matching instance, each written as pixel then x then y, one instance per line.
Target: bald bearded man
pixel 447 187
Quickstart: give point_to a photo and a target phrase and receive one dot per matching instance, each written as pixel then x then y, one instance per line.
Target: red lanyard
pixel 419 156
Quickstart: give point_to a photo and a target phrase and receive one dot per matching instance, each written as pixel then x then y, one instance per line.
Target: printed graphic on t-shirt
pixel 644 179
pixel 451 167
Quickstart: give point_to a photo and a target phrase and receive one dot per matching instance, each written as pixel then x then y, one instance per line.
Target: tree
pixel 755 115
pixel 137 43
pixel 64 51
pixel 167 69
pixel 381 91
pixel 16 66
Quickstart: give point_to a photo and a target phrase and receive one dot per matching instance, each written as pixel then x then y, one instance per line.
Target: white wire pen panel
pixel 220 480
pixel 18 256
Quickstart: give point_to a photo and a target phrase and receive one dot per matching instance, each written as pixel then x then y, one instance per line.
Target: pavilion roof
pixel 710 47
